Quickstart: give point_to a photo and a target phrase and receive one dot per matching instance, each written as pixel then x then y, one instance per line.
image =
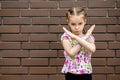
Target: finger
pixel 92 28
pixel 64 29
pixel 89 32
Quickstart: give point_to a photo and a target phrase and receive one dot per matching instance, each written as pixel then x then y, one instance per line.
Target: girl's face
pixel 76 24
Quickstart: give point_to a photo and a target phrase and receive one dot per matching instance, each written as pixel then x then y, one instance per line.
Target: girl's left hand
pixel 69 33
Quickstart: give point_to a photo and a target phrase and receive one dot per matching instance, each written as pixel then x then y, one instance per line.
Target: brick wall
pixel 30 30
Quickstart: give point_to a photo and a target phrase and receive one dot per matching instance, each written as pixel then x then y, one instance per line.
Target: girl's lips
pixel 76 31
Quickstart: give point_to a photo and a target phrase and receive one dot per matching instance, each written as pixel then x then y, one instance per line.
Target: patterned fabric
pixel 81 62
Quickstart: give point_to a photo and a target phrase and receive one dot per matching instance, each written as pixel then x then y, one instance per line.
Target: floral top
pixel 81 62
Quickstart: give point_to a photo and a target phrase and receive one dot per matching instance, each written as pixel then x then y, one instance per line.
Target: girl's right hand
pixel 89 32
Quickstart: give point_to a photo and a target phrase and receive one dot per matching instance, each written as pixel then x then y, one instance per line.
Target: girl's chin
pixel 77 33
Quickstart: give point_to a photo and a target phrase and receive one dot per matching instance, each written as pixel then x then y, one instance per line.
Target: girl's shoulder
pixel 65 36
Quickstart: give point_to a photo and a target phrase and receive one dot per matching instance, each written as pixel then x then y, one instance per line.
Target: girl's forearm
pixel 74 50
pixel 71 50
pixel 87 45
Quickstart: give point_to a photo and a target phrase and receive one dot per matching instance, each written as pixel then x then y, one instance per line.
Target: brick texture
pixel 30 30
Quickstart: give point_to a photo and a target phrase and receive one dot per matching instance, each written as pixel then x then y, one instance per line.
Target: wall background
pixel 30 30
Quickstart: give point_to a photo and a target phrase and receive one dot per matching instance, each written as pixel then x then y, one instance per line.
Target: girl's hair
pixel 77 11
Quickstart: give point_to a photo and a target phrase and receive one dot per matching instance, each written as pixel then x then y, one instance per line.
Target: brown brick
pixel 43 4
pixel 96 13
pixel 8 0
pixel 98 61
pixel 101 20
pixel 37 77
pixel 118 4
pixel 52 20
pixel 113 61
pixel 55 29
pixel 14 53
pixel 59 69
pixel 0 20
pixel 14 5
pixel 14 37
pixel 55 20
pixel 58 13
pixel 104 37
pixel 97 29
pixel 114 45
pixel 43 53
pixel 117 53
pixel 37 0
pixel 64 4
pixel 34 29
pixel 9 29
pixel 113 28
pixel 103 70
pixel 55 45
pixel 113 77
pixel 23 77
pixel 101 45
pixel 104 53
pixel 99 77
pixel 60 53
pixel 56 77
pixel 100 28
pixel 13 70
pixel 63 20
pixel 34 61
pixel 43 37
pixel 16 20
pixel 9 61
pixel 40 20
pixel 10 45
pixel 114 13
pixel 42 70
pixel 117 69
pixel 118 36
pixel 101 4
pixel 119 21
pixel 30 13
pixel 13 77
pixel 35 45
pixel 11 12
pixel 56 62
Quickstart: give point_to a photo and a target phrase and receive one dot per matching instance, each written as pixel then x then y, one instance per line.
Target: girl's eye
pixel 80 23
pixel 73 24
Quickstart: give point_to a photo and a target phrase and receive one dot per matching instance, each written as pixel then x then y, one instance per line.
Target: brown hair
pixel 77 11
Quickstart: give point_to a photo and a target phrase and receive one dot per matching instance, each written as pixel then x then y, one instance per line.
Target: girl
pixel 78 46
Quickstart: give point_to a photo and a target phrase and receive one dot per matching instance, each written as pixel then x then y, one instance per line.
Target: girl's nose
pixel 76 27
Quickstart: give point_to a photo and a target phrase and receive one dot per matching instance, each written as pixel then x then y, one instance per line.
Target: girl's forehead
pixel 76 18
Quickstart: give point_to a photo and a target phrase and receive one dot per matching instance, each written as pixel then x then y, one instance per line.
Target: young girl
pixel 78 46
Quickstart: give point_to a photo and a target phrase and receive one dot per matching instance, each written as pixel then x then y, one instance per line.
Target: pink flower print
pixel 85 60
pixel 82 71
pixel 78 59
pixel 66 37
pixel 69 68
pixel 66 62
pixel 74 65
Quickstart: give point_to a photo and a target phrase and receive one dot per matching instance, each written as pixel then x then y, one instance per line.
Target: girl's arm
pixel 88 45
pixel 71 50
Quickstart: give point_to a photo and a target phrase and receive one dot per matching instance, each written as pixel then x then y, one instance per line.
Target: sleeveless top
pixel 81 62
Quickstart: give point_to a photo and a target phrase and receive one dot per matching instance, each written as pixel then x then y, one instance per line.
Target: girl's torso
pixel 81 62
